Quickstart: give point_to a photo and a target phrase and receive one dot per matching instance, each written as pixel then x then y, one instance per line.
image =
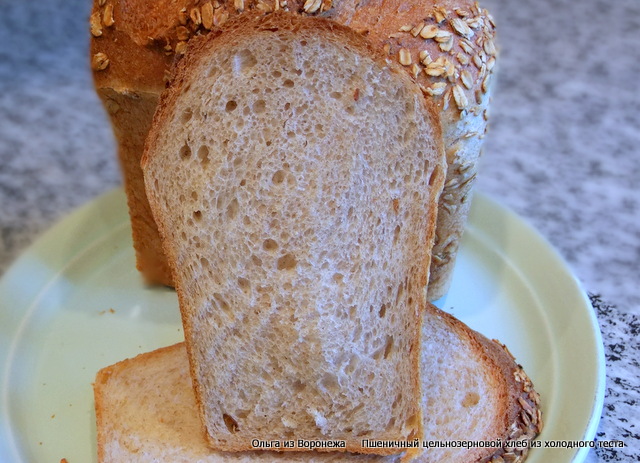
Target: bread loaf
pixel 146 409
pixel 294 173
pixel 447 46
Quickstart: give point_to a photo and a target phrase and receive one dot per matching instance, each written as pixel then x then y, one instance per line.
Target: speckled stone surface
pixel 563 151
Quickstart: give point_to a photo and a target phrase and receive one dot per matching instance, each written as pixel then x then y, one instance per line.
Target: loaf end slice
pixel 294 175
pixel 473 391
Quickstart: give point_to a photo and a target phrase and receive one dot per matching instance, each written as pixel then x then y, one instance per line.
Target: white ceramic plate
pixel 74 303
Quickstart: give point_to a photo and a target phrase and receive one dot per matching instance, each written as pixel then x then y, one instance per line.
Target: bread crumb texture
pixel 294 175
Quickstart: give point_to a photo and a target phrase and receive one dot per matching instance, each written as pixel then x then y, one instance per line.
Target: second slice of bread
pixel 474 391
pixel 294 175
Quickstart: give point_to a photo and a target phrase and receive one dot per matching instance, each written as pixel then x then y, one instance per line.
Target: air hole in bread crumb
pixel 288 83
pixel 245 285
pixel 243 61
pixel 197 215
pixel 221 303
pixel 335 95
pixel 388 347
pixel 400 293
pixel 230 106
pixel 187 114
pixel 185 152
pixel 259 106
pixel 357 332
pixel 397 401
pixel 276 74
pixel 278 177
pixel 232 209
pixel 230 423
pixel 203 154
pixel 470 399
pixel 382 311
pixel 256 261
pixel 287 262
pixel 269 245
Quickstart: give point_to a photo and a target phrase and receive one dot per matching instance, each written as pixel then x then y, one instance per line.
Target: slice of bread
pixel 446 45
pixel 294 175
pixel 146 410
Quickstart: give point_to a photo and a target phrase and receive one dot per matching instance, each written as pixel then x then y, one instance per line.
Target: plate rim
pixel 488 206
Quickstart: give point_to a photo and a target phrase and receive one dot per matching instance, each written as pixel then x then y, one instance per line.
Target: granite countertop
pixel 562 152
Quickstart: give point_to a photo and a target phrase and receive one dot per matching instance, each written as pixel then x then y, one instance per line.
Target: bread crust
pixel 144 38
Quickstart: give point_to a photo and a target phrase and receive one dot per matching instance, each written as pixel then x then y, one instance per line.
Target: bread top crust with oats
pixel 447 46
pixel 146 409
pixel 442 44
pixel 294 173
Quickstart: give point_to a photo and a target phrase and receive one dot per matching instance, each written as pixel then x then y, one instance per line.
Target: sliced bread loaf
pixel 146 410
pixel 446 45
pixel 294 175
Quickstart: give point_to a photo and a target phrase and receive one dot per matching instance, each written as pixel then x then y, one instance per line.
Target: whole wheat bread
pixel 446 45
pixel 474 390
pixel 294 176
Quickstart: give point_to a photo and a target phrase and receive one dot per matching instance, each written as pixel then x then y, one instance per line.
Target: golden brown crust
pixel 525 415
pixel 131 115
